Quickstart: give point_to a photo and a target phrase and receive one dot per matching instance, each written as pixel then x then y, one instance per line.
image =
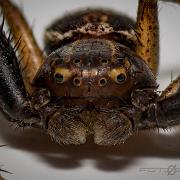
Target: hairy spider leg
pixel 31 55
pixel 147 28
pixel 13 95
pixel 166 112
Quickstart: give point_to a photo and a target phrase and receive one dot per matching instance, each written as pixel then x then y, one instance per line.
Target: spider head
pixel 93 68
pixel 95 73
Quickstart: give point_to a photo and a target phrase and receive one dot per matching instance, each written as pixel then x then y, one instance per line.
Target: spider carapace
pixel 97 77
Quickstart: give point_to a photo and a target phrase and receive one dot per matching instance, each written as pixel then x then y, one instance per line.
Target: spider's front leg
pixel 147 27
pixel 166 111
pixel 27 46
pixel 13 95
pixel 16 76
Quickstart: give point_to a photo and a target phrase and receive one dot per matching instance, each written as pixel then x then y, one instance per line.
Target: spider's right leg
pixel 166 111
pixel 147 27
pixel 13 95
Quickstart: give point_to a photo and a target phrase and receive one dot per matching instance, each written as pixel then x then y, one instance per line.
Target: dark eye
pixel 59 78
pixel 121 78
pixel 77 61
pixel 104 61
pixel 103 82
pixel 119 74
pixel 62 75
pixel 77 81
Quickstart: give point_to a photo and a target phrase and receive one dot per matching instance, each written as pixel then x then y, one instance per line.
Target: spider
pixel 96 78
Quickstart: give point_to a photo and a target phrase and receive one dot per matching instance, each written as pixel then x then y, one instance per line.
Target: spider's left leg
pixel 14 100
pixel 147 27
pixel 166 111
pixel 28 48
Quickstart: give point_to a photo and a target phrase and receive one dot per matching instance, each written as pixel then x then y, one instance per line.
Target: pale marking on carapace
pixel 90 73
pixel 99 29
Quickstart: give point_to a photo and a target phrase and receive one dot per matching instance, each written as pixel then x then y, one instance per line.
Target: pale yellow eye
pixel 120 78
pixel 118 75
pixel 62 74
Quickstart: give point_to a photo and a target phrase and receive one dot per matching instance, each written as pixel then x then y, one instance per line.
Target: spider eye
pixel 104 61
pixel 77 61
pixel 58 78
pixel 61 75
pixel 118 75
pixel 102 82
pixel 121 78
pixel 77 81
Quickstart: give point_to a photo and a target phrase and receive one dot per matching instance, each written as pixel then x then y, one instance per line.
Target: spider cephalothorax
pixel 98 76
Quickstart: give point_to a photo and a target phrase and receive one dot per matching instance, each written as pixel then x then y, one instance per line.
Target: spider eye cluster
pixel 118 75
pixel 85 71
pixel 62 74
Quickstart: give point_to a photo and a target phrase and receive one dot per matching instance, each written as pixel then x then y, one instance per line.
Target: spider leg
pixel 173 1
pixel 147 27
pixel 166 111
pixel 27 46
pixel 172 89
pixel 13 95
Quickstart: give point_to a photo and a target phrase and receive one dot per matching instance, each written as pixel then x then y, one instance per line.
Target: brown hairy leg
pixel 147 28
pixel 27 47
pixel 166 112
pixel 174 1
pixel 171 90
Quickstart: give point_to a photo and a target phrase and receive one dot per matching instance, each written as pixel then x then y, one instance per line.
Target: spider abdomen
pixel 90 23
